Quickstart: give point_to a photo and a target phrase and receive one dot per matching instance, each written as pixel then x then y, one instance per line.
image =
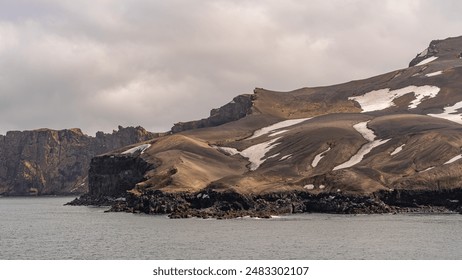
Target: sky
pixel 97 64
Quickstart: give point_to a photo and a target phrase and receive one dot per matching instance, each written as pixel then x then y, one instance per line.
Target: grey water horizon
pixel 43 228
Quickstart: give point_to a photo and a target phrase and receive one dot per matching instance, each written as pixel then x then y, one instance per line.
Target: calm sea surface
pixel 42 228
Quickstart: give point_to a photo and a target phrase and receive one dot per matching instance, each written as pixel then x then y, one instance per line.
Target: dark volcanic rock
pixel 432 50
pixel 231 205
pixel 113 175
pixel 447 198
pixel 440 48
pixel 238 108
pixel 49 161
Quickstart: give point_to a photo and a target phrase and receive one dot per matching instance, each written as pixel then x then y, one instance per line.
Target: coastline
pixel 228 205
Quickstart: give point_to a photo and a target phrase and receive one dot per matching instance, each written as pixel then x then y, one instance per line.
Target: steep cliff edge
pixel 238 108
pixel 45 161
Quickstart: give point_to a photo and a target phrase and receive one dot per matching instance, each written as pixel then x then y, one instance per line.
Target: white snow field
pixel 383 98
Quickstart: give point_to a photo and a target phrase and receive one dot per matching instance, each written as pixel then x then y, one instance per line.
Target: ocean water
pixel 42 228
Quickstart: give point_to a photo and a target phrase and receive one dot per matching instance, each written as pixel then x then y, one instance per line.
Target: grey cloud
pixel 97 64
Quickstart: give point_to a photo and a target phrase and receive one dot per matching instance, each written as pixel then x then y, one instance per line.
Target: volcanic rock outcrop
pixel 45 161
pixel 373 145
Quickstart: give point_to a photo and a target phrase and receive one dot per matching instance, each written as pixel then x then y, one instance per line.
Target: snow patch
pixel 140 148
pixel 318 157
pixel 309 187
pixel 227 150
pixel 363 151
pixel 450 113
pixel 256 153
pixel 434 74
pixel 397 150
pixel 273 156
pixel 423 53
pixel 383 98
pixel 276 126
pixel 322 187
pixel 453 159
pixel 430 168
pixel 277 133
pixel 427 60
pixel 286 157
pixel 369 135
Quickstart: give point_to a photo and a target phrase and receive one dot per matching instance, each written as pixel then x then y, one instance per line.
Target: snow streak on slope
pixel 227 150
pixel 434 74
pixel 383 98
pixel 276 126
pixel 254 154
pixel 450 113
pixel 397 150
pixel 318 157
pixel 140 148
pixel 453 159
pixel 427 60
pixel 369 135
pixel 286 157
pixel 428 169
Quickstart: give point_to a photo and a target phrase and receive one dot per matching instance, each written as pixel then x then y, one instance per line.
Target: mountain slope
pixel 396 133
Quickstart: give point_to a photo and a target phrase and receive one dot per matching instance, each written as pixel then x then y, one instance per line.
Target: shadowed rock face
pixel 449 47
pixel 372 145
pixel 238 108
pixel 46 161
pixel 114 175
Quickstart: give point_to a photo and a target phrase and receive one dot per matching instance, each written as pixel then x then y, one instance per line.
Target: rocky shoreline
pixel 226 205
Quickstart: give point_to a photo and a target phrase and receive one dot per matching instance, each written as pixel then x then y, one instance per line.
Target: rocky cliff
pixel 45 161
pixel 238 108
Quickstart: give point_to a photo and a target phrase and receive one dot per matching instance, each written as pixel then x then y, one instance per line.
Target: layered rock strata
pixel 56 162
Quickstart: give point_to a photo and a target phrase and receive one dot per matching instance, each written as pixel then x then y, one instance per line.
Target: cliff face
pixel 238 108
pixel 45 161
pixel 114 175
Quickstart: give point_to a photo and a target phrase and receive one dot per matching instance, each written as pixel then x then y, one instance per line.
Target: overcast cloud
pixel 97 64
